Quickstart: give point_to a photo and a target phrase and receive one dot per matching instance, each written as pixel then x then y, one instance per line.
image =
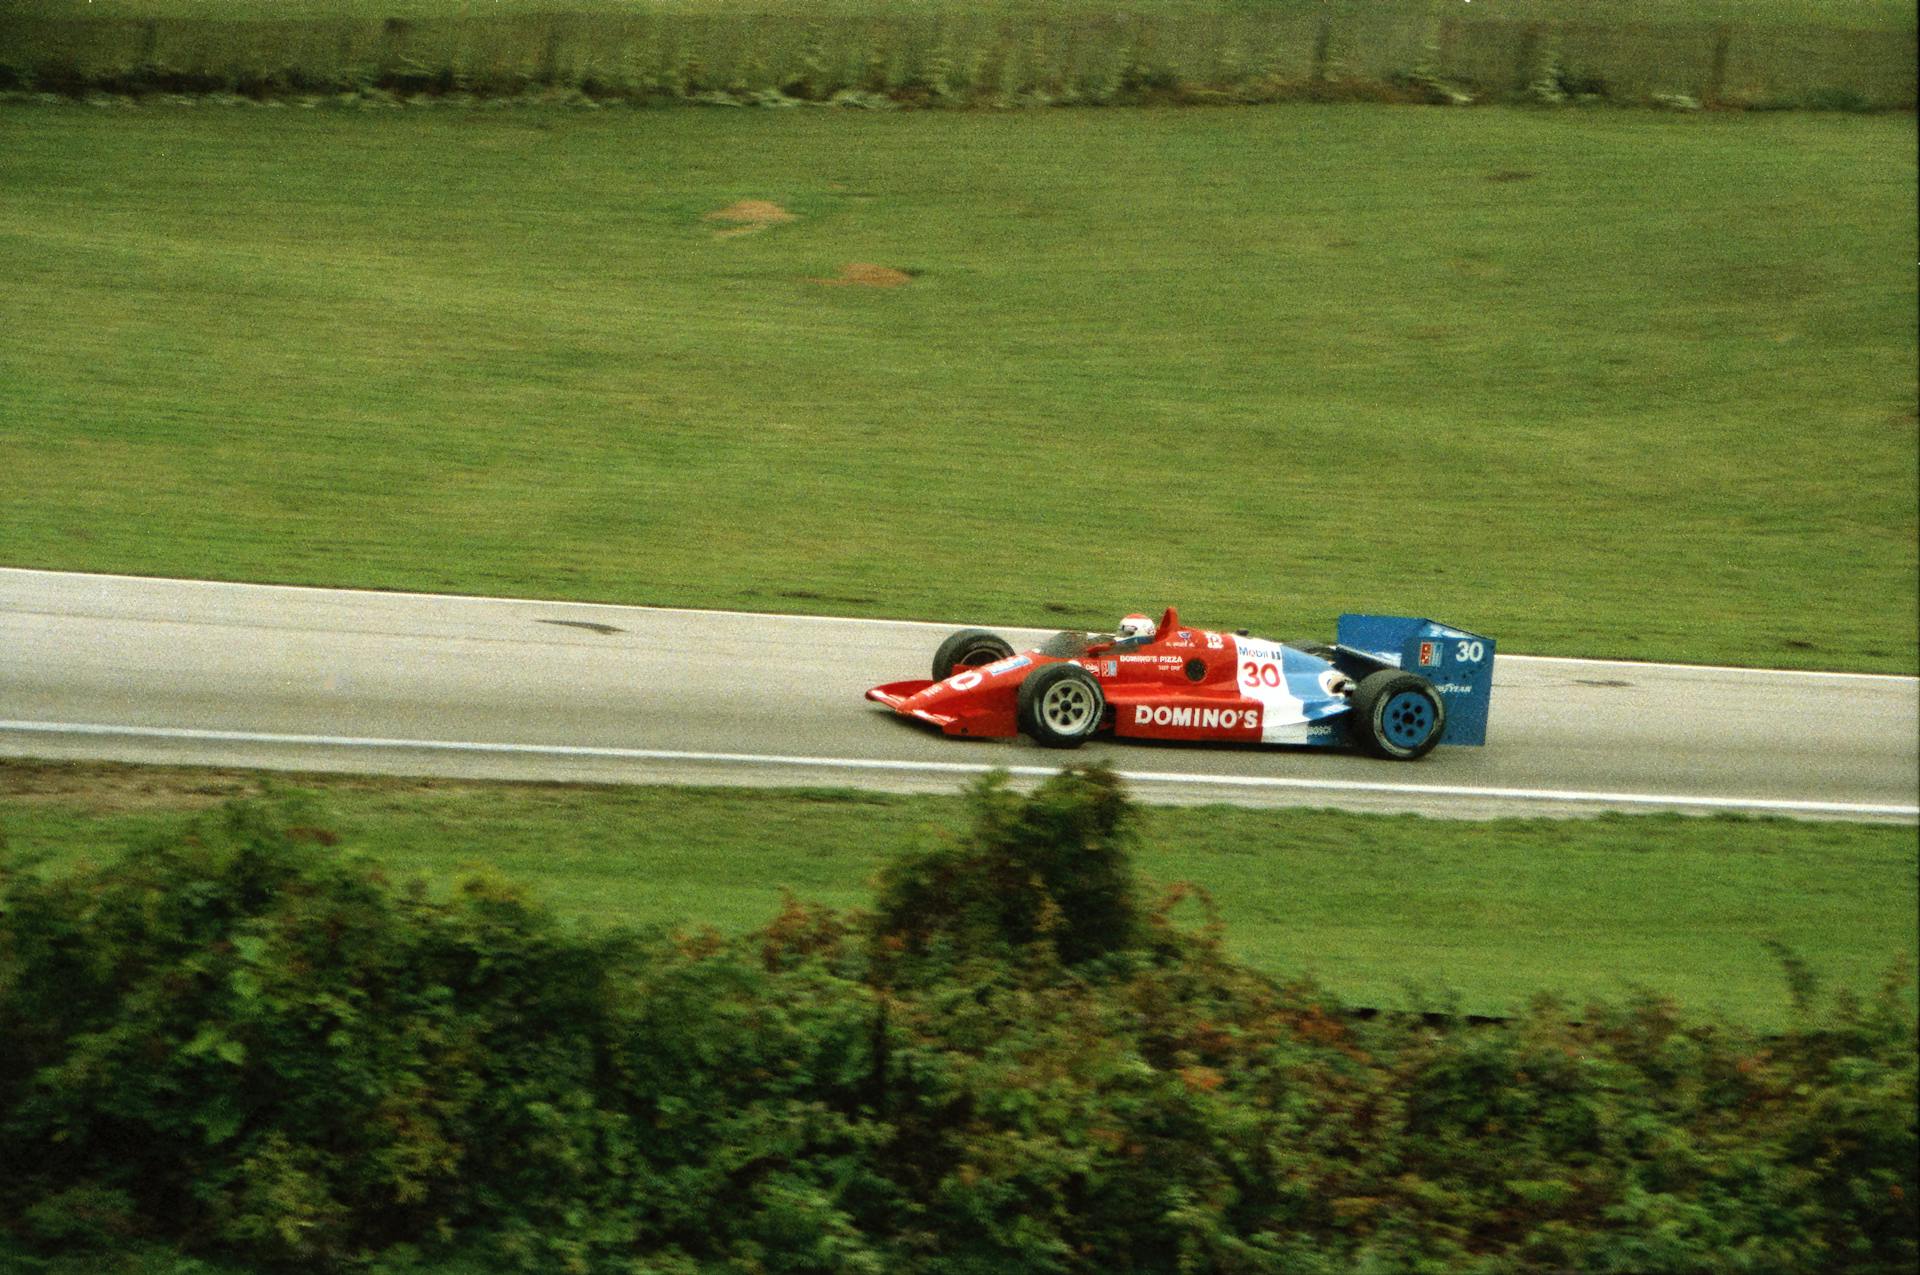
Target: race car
pixel 1393 686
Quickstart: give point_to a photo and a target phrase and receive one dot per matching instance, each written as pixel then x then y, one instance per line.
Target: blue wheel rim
pixel 1407 719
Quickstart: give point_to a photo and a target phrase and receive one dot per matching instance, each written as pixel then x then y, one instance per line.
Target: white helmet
pixel 1136 626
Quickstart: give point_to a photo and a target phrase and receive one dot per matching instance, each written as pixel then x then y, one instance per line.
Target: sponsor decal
pixel 1009 665
pixel 1215 642
pixel 1196 718
pixel 1428 653
pixel 1111 668
pixel 966 681
pixel 1319 732
pixel 1139 659
pixel 1453 688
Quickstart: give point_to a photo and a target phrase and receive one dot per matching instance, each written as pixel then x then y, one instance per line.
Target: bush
pixel 261 1044
pixel 244 1044
pixel 1839 99
pixel 1050 869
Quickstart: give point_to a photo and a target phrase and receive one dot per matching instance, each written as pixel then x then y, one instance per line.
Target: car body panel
pixel 1458 663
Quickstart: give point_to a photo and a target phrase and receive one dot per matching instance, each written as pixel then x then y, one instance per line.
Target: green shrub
pixel 1838 99
pixel 245 1044
pixel 265 1046
pixel 1051 868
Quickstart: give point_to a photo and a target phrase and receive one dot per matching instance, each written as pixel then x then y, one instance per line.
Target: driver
pixel 1135 630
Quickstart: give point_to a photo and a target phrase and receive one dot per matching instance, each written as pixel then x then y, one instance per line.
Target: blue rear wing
pixel 1458 663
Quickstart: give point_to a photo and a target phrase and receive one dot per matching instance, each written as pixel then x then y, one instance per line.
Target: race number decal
pixel 1257 673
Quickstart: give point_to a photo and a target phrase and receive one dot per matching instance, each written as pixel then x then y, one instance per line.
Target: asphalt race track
pixel 186 672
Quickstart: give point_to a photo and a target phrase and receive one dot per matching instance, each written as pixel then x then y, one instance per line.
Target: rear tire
pixel 1061 706
pixel 969 648
pixel 1396 715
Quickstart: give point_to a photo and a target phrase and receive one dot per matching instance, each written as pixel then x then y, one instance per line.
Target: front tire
pixel 1061 706
pixel 969 648
pixel 1396 715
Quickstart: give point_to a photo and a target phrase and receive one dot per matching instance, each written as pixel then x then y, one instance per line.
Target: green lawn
pixel 1388 911
pixel 1598 383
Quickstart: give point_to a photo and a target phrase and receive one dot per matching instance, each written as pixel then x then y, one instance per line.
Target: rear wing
pixel 1458 663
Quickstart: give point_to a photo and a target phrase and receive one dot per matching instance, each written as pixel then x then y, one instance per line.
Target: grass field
pixel 1597 383
pixel 1490 913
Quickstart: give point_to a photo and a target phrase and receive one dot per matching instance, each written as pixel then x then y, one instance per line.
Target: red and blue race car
pixel 1392 686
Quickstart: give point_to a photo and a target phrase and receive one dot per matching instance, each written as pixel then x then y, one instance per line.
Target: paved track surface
pixel 145 670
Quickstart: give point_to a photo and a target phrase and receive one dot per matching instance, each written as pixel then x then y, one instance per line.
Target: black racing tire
pixel 969 648
pixel 1061 705
pixel 1396 715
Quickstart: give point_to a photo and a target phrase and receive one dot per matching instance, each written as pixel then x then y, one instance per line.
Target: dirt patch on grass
pixel 1477 268
pixel 109 789
pixel 747 217
pixel 116 788
pixel 864 274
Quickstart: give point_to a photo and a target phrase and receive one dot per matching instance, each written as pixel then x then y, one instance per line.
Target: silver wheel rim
pixel 1068 707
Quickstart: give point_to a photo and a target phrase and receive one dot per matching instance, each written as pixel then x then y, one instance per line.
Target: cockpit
pixel 1135 630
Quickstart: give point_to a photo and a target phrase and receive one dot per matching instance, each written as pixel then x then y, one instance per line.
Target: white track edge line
pixel 944 625
pixel 1563 796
